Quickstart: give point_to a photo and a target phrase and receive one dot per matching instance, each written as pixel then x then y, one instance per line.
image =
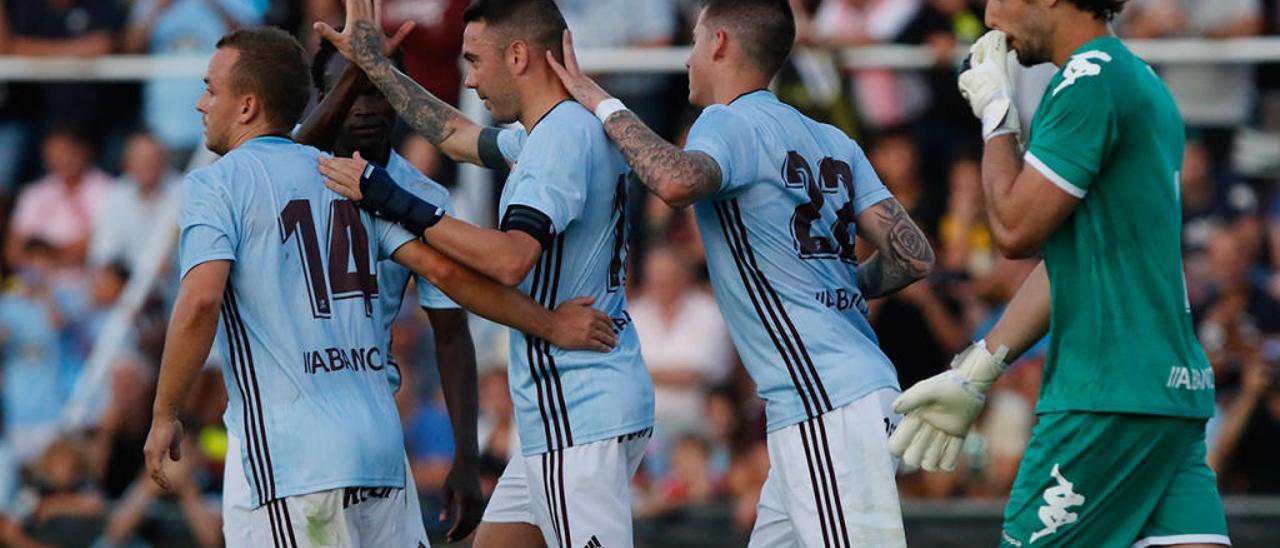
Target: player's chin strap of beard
pixel 384 198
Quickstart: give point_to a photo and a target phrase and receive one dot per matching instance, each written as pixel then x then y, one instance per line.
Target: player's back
pixel 568 172
pixel 779 239
pixel 299 333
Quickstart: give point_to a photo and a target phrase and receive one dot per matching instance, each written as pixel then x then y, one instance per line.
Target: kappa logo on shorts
pixel 1057 500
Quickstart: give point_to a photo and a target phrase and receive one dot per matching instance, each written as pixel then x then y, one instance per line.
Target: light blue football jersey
pixel 568 170
pixel 393 278
pixel 301 329
pixel 779 238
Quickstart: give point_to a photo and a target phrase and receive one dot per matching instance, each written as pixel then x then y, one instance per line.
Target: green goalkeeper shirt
pixel 1121 339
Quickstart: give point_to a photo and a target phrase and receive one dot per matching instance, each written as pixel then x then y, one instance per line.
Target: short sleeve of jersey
pixel 1072 136
pixel 868 189
pixel 511 142
pixel 727 139
pixel 552 177
pixel 207 222
pixel 390 237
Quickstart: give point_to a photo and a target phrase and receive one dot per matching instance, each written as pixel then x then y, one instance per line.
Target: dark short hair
pixel 273 66
pixel 320 62
pixel 1103 10
pixel 538 22
pixel 767 28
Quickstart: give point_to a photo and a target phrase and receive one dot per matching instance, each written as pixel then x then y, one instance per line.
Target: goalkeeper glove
pixel 384 198
pixel 940 409
pixel 987 86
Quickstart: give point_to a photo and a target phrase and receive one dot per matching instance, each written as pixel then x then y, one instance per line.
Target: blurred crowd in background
pixel 89 172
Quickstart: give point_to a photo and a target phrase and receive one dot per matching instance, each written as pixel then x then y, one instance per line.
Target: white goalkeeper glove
pixel 987 86
pixel 940 409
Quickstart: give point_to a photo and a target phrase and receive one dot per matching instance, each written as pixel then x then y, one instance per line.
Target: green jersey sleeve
pixel 1076 126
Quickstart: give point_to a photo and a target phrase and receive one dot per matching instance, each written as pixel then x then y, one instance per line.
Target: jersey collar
pixel 749 94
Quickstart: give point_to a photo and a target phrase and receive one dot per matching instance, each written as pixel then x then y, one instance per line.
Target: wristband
pixel 384 198
pixel 609 107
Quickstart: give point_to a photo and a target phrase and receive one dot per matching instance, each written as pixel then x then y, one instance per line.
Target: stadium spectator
pixel 628 24
pixel 967 250
pixel 690 481
pixel 34 379
pixel 117 442
pixel 202 525
pixel 946 124
pixel 135 206
pixel 180 27
pixel 1249 437
pixel 1216 98
pixel 1238 310
pixel 884 98
pixel 60 207
pixel 69 508
pixel 431 51
pixel 70 28
pixel 684 342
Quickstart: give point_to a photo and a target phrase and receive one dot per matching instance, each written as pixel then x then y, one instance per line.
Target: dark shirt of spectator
pixel 71 28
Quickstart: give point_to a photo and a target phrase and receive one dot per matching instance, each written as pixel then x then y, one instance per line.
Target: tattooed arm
pixel 679 178
pixel 903 254
pixel 361 41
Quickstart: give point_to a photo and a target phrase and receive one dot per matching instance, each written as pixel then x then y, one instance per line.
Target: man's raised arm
pixel 361 42
pixel 677 177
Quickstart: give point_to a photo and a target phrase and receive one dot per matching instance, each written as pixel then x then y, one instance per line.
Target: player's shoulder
pixel 413 180
pixel 567 116
pixel 1101 67
pixel 565 132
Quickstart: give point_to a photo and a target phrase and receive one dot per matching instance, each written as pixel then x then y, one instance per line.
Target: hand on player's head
pixel 583 89
pixel 361 39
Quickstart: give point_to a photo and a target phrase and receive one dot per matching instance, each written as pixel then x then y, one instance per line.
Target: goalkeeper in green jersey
pixel 1118 455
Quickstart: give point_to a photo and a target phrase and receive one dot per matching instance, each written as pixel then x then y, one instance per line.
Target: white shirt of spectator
pixel 1208 95
pixel 696 339
pixel 128 220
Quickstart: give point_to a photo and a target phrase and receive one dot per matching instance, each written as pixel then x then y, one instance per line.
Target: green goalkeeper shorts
pixel 1114 480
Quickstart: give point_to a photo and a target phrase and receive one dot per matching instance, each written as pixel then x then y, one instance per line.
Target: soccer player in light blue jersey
pixel 779 199
pixel 583 419
pixel 352 117
pixel 295 311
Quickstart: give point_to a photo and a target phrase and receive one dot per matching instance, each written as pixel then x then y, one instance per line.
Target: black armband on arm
pixel 384 198
pixel 529 221
pixel 489 151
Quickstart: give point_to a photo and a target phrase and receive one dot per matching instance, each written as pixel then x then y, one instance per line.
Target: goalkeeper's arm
pixel 1026 319
pixel 940 409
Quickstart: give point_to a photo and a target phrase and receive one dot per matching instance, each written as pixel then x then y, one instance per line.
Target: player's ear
pixel 249 108
pixel 721 46
pixel 518 57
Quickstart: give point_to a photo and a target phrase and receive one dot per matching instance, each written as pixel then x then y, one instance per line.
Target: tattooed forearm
pixel 904 254
pixel 366 43
pixel 679 178
pixel 432 118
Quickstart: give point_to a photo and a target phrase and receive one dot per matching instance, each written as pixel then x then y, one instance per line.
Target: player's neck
pixel 730 88
pixel 249 133
pixel 1071 36
pixel 538 102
